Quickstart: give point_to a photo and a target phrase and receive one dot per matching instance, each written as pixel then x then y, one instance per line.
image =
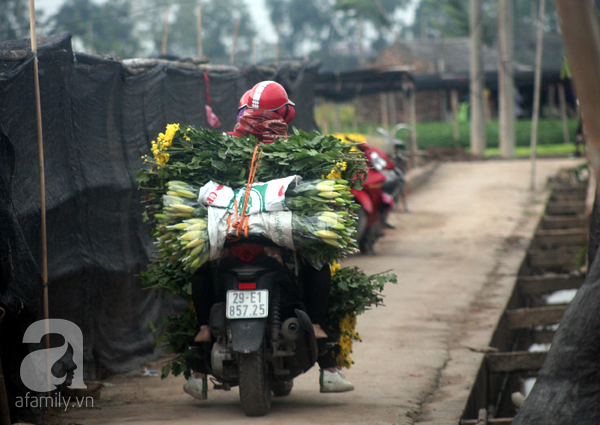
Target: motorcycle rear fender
pixel 247 334
pixel 364 200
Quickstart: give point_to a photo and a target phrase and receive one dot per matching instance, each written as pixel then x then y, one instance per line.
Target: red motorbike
pixel 376 203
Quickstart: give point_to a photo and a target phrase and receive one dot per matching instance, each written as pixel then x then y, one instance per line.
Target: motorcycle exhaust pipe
pixel 291 329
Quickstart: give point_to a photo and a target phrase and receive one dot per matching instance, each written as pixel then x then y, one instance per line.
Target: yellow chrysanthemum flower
pixel 348 334
pixel 334 268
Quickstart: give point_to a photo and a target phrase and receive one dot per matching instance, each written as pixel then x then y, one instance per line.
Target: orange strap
pixel 242 221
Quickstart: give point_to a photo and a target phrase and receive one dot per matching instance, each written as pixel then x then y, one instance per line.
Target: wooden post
pixel 199 30
pixel 506 78
pixel 392 113
pixel 552 101
pixel 581 36
pixel 476 80
pixel 383 105
pixel 337 118
pixel 236 31
pixel 455 125
pixel 357 104
pixel 562 100
pixel 537 89
pixel 487 108
pixel 165 32
pixel 442 97
pixel 40 139
pixel 413 122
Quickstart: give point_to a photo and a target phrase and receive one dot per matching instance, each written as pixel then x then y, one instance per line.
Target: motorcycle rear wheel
pixel 255 383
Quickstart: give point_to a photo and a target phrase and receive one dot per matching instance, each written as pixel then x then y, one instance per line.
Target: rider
pixel 267 113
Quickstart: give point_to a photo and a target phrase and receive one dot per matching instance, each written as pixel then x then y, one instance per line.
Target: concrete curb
pixel 418 176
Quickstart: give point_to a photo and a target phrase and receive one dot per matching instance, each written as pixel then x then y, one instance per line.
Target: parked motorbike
pixel 382 190
pixel 263 336
pixel 396 165
pixel 371 199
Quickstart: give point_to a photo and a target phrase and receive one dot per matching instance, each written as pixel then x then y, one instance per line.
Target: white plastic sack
pixel 275 225
pixel 264 197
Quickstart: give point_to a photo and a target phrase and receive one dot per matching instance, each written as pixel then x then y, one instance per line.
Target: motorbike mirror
pixel 402 126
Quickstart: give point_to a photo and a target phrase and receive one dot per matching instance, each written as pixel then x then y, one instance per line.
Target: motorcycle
pixel 369 221
pixel 262 335
pixel 382 190
pixel 396 167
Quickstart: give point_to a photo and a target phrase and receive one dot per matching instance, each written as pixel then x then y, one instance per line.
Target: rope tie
pixel 242 221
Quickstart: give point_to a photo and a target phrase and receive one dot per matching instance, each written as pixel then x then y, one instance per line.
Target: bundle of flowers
pixel 323 222
pixel 352 293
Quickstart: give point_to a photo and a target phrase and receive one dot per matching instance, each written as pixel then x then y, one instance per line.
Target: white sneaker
pixel 197 388
pixel 334 382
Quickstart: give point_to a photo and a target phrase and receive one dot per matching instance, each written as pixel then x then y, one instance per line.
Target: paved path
pixel 455 254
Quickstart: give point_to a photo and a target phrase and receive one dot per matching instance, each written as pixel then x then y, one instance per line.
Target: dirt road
pixel 455 254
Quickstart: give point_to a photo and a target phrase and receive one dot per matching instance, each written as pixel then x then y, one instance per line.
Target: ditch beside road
pixel 456 254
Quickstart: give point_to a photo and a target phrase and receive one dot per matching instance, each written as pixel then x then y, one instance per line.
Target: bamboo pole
pixel 38 116
pixel 581 35
pixel 236 32
pixel 199 29
pixel 537 89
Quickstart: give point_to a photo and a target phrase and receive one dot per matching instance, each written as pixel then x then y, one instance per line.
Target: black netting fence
pixel 98 120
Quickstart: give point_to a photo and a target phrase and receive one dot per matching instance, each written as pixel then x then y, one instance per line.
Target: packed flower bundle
pixel 185 159
pixel 352 293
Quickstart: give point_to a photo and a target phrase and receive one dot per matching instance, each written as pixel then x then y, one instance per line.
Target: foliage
pixel 200 155
pixel 450 18
pixel 175 334
pixel 218 22
pixel 105 28
pixel 14 19
pixel 352 293
pixel 325 29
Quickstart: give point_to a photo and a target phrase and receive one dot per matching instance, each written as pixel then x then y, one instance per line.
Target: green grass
pixel 440 134
pixel 542 150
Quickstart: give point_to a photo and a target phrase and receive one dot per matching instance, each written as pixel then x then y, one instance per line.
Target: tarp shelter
pixel 99 118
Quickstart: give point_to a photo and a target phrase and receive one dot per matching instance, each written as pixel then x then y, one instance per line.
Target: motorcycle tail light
pixel 246 252
pixel 247 285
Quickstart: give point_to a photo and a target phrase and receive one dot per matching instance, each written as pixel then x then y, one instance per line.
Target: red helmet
pixel 244 100
pixel 272 96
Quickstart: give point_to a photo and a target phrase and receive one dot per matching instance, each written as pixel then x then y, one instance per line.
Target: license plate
pixel 247 304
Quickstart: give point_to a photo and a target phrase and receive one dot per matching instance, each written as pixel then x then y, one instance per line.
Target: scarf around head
pixel 266 126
